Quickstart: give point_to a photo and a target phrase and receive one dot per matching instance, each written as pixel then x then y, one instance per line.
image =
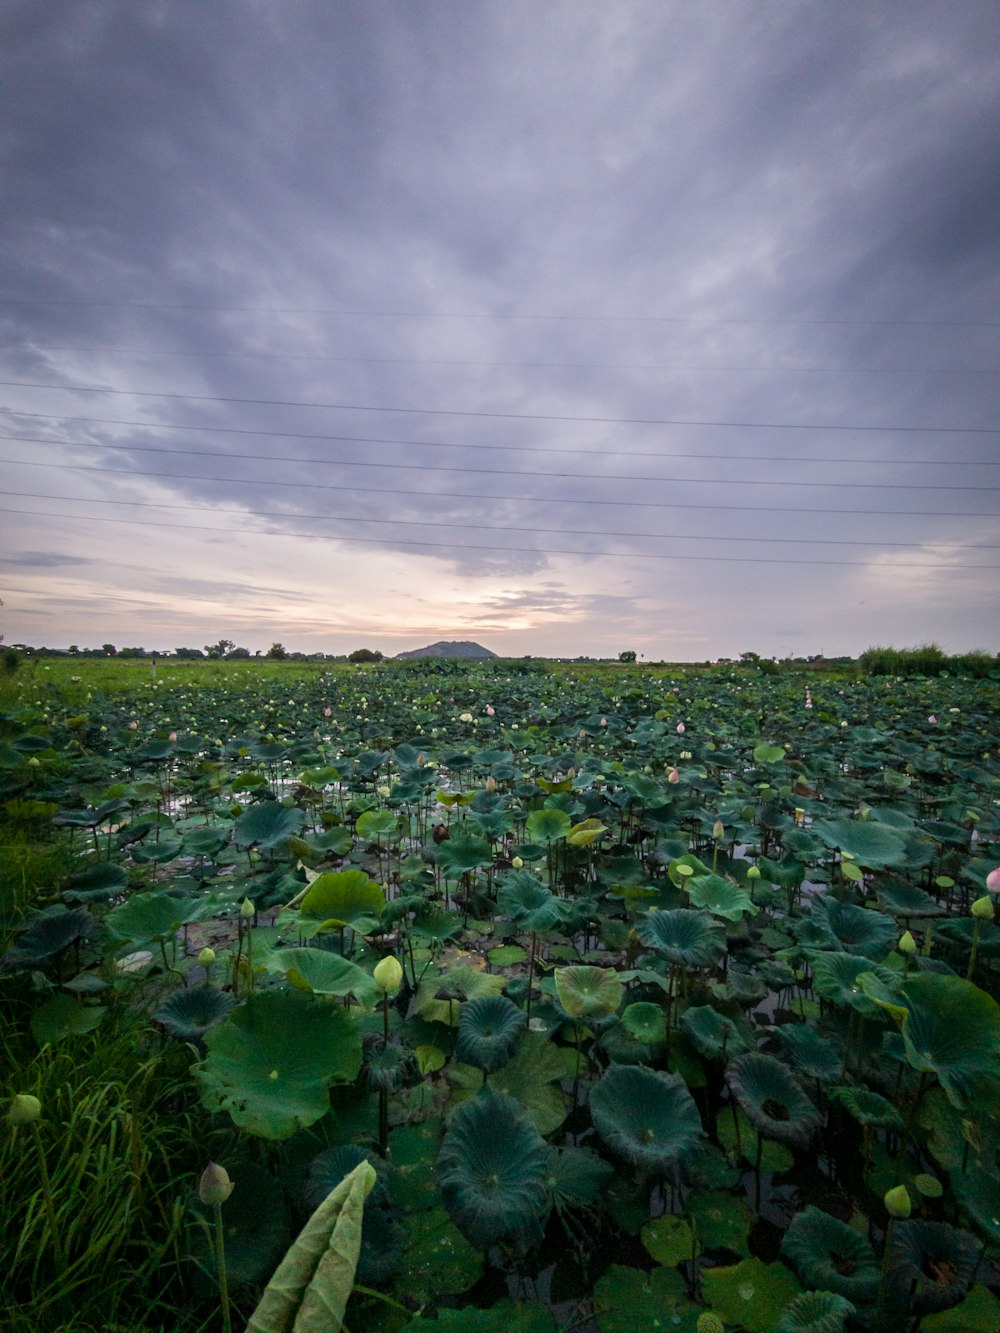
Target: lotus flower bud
pixel 674 776
pixel 897 1202
pixel 753 872
pixel 24 1109
pixel 206 957
pixel 993 880
pixel 388 975
pixel 247 909
pixel 491 783
pixel 907 944
pixel 214 1186
pixel 681 728
pixel 708 1322
pixel 517 862
pixel 718 830
pixel 465 717
pixel 983 909
pixel 383 792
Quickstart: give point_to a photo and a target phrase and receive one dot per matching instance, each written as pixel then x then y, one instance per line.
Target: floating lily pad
pixel 752 1295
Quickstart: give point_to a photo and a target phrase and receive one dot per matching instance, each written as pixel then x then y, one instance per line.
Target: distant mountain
pixel 461 649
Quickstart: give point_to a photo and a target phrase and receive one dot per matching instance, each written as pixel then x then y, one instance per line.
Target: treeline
pixel 927 660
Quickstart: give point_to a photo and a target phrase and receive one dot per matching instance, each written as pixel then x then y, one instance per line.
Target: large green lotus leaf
pixel 774 1157
pixel 720 897
pixel 723 1220
pixel 978 1313
pixel 586 833
pixel 588 992
pixel 47 936
pixel 829 1255
pixel 752 1295
pixel 373 824
pixel 488 1029
pixel 810 1053
pixel 64 1016
pixel 669 1240
pixel 815 1312
pixel 344 898
pixel 157 853
pixel 837 978
pixel 313 1283
pixel 873 845
pixel 491 1171
pixel 528 903
pixel 266 825
pixel 256 1225
pixel 547 825
pixel 629 1299
pixel 320 972
pixel 978 1195
pixel 771 1098
pixel 101 880
pixel 437 998
pixel 150 916
pixel 901 899
pixel 935 1263
pixel 189 1014
pixel 856 930
pixel 867 1107
pixel 460 853
pixel 950 1028
pixel 646 1022
pixel 684 937
pixel 532 1077
pixel 432 926
pixel 645 1116
pixel 712 1034
pixel 575 1177
pixel 272 1063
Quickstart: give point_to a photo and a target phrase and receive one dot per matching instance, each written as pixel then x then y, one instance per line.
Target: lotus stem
pixel 220 1256
pixel 975 950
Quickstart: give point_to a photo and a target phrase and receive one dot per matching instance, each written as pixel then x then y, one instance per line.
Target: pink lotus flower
pixel 133 726
pixel 674 775
pixel 328 712
pixel 993 880
pixel 604 721
pixel 172 736
pixel 932 719
pixel 681 728
pixel 490 710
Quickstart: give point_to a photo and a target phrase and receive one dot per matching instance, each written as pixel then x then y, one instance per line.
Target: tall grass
pixel 927 660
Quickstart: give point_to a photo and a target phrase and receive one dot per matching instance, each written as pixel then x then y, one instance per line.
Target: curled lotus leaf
pixel 772 1100
pixel 266 825
pixel 712 1034
pixel 588 992
pixel 684 937
pixel 344 898
pixel 720 896
pixel 837 978
pixel 935 1262
pixel 815 1312
pixel 856 930
pixel 526 901
pixel 829 1255
pixel 645 1116
pixel 46 937
pixel 872 844
pixel 189 1014
pixel 491 1171
pixel 488 1029
pixel 868 1108
pixel 812 1055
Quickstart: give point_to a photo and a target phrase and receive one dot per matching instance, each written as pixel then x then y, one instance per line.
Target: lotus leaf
pixel 771 1098
pixel 491 1171
pixel 344 898
pixel 646 1022
pixel 47 936
pixel 857 930
pixel 712 1034
pixel 266 825
pixel 101 880
pixel 836 977
pixel 64 1016
pixel 588 992
pixel 319 972
pixel 669 1240
pixel 500 1318
pixel 460 853
pixel 532 1077
pixel 934 1262
pixel 868 1108
pixel 150 916
pixel 189 1014
pixel 684 937
pixel 628 1299
pixel 387 1065
pixel 723 1220
pixel 645 1116
pixel 437 996
pixel 978 1313
pixel 586 833
pixel 720 896
pixel 950 1028
pixel 270 1065
pixel 829 1255
pixel 810 1053
pixel 873 845
pixel 548 825
pixel 752 1295
pixel 528 903
pixel 815 1312
pixel 575 1177
pixel 488 1029
pixel 314 1280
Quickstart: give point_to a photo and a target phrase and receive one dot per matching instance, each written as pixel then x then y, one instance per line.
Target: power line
pixel 438 444
pixel 501 416
pixel 509 315
pixel 514 365
pixel 491 495
pixel 501 471
pixel 500 527
pixel 462 546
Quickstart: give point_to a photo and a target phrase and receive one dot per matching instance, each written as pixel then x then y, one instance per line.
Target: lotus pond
pixel 655 1000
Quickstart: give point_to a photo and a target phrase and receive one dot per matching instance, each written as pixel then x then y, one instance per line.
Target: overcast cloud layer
pixel 352 324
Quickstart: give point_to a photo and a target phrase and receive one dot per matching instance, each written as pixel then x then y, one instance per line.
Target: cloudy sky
pixel 566 327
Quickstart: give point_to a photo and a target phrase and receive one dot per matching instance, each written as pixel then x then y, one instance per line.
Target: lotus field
pixel 499 996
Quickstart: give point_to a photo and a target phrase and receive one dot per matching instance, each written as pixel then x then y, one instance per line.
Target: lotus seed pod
pixel 388 975
pixel 214 1185
pixel 206 957
pixel 24 1109
pixel 709 1323
pixel 753 872
pixel 247 909
pixel 983 908
pixel 897 1202
pixel 907 944
pixel 517 862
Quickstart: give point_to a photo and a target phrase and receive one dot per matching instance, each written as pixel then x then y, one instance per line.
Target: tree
pixel 241 654
pixel 365 655
pixel 109 650
pixel 188 654
pixel 220 649
pixel 277 652
pixel 627 656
